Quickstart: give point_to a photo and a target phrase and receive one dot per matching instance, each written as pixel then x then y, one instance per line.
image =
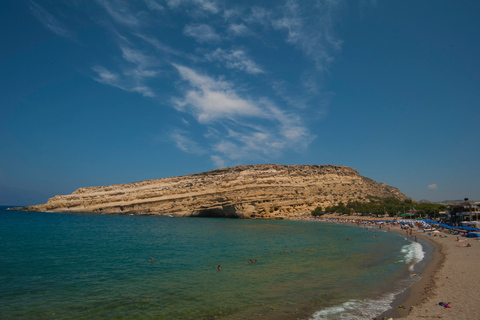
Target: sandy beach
pixel 451 278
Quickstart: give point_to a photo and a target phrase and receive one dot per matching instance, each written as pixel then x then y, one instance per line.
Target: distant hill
pixel 452 202
pixel 425 201
pixel 446 202
pixel 267 191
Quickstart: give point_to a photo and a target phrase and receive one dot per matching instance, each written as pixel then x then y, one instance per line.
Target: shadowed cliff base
pixel 222 212
pixel 267 191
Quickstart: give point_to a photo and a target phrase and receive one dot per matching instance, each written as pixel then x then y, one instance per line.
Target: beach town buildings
pixel 466 211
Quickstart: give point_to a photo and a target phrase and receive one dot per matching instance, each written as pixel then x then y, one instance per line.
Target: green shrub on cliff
pixel 318 212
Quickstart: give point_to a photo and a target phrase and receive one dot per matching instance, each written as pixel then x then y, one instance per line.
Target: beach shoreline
pixel 419 290
pixel 451 278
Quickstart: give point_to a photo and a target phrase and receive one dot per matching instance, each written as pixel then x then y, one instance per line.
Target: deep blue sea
pixel 83 266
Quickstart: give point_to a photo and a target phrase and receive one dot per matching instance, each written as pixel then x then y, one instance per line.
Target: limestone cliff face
pixel 256 191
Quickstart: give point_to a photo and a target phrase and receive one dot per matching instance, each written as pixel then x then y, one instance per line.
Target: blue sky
pixel 116 91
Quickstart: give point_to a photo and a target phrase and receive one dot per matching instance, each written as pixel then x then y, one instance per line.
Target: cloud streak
pixel 120 13
pixel 131 80
pixel 210 100
pixel 50 22
pixel 205 6
pixel 202 33
pixel 184 143
pixel 314 37
pixel 234 59
pixel 248 126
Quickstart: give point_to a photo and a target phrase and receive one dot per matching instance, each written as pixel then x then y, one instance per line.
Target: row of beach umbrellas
pixel 450 227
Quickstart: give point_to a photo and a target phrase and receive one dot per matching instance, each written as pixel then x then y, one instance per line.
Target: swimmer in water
pixel 218 267
pixel 151 260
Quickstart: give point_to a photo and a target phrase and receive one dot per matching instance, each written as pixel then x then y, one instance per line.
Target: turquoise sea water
pixel 79 266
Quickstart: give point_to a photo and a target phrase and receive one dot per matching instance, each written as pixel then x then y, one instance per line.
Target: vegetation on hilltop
pixel 377 206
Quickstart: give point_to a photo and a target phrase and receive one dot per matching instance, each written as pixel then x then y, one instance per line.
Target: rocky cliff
pixel 256 191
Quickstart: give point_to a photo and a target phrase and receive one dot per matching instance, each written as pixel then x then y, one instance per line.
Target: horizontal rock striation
pixel 249 191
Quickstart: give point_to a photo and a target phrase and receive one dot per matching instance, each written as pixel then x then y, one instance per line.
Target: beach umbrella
pixel 469 228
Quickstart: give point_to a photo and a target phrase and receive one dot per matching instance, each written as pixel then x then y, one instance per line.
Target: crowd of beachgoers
pixel 425 225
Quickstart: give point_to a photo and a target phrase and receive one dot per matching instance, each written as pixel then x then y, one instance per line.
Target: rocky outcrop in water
pixel 258 191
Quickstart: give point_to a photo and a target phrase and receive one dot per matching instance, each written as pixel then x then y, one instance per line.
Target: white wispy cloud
pixel 218 161
pixel 105 76
pixel 433 186
pixel 291 21
pixel 154 5
pixel 133 75
pixel 245 128
pixel 50 22
pixel 307 26
pixel 120 12
pixel 258 15
pixel 210 100
pixel 122 81
pixel 184 143
pixel 238 30
pixel 141 60
pixel 249 144
pixel 167 50
pixel 201 33
pixel 135 66
pixel 209 6
pixel 234 59
pixel 313 36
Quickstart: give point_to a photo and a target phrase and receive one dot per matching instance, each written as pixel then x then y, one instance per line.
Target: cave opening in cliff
pixel 224 212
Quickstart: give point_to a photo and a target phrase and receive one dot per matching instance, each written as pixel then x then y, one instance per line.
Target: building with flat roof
pixel 467 210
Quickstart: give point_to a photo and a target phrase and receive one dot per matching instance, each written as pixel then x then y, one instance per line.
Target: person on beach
pixel 465 245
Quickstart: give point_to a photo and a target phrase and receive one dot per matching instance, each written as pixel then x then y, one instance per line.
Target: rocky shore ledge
pixel 266 191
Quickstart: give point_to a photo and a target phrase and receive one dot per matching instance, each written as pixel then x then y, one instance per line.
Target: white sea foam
pixel 356 309
pixel 369 308
pixel 412 254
